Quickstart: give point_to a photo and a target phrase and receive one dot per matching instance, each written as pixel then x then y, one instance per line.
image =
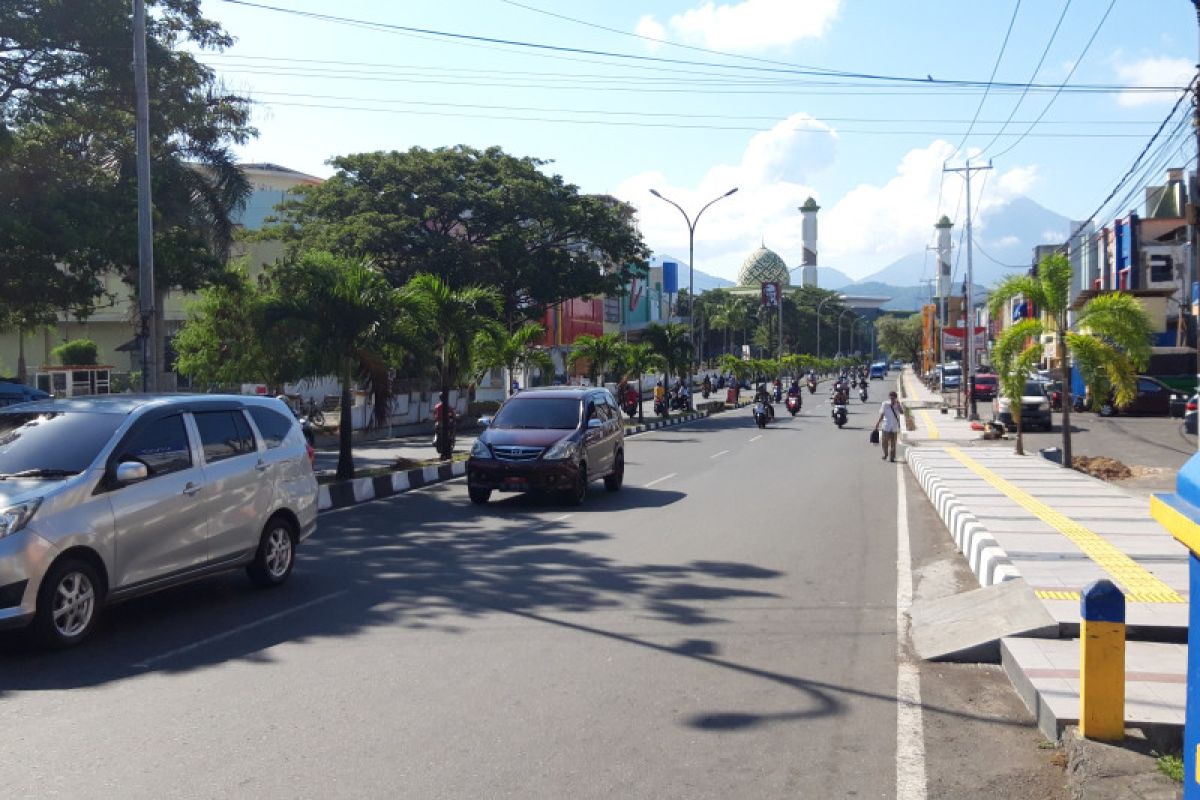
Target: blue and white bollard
pixel 1179 513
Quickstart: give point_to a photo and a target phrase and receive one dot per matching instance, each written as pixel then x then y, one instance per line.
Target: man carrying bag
pixel 889 415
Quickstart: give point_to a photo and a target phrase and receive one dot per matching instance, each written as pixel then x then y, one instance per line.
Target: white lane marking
pixel 910 729
pixel 561 518
pixel 660 480
pixel 187 648
pixel 718 455
pixel 756 438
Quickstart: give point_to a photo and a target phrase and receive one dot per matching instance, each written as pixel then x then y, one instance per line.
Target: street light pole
pixel 691 225
pixel 839 328
pixel 823 302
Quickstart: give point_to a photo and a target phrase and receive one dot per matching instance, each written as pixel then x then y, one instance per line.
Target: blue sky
pixel 870 152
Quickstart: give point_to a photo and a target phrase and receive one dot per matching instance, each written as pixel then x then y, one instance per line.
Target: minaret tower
pixel 808 229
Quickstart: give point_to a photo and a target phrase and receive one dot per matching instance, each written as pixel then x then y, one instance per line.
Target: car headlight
pixel 1044 405
pixel 566 448
pixel 480 450
pixel 14 518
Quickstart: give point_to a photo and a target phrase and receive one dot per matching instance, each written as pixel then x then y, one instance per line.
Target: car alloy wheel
pixel 68 604
pixel 276 554
pixel 74 604
pixel 613 481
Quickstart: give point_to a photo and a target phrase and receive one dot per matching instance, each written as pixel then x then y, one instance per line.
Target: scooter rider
pixel 762 395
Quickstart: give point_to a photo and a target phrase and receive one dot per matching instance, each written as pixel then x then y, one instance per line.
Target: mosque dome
pixel 763 266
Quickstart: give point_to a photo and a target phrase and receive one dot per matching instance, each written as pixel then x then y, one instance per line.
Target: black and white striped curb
pixel 332 496
pixel 988 560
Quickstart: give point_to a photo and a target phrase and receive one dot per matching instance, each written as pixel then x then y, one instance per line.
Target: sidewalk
pixel 1025 517
pixel 927 407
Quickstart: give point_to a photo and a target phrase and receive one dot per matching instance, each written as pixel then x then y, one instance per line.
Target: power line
pixel 792 70
pixel 992 77
pixel 1066 80
pixel 1036 70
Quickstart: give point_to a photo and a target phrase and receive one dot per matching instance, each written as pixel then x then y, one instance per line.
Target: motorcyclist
pixel 794 389
pixel 763 395
pixel 632 399
pixel 707 385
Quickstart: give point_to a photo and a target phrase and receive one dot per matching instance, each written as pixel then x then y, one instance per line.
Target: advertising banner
pixel 770 293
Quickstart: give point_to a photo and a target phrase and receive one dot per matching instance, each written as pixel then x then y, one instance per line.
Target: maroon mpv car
pixel 555 439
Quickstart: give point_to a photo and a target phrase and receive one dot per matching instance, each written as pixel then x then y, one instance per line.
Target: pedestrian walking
pixel 889 416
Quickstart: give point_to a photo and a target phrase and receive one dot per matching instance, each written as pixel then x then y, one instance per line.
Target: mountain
pixel 830 278
pixel 1004 240
pixel 704 281
pixel 903 298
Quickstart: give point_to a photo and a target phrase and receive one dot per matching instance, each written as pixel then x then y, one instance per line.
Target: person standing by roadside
pixel 889 416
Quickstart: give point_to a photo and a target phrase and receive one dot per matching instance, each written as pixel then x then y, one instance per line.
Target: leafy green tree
pixel 452 319
pixel 1111 343
pixel 601 353
pixel 347 321
pixel 900 338
pixel 497 348
pixel 226 340
pixel 470 217
pixel 636 359
pixel 1016 353
pixel 671 343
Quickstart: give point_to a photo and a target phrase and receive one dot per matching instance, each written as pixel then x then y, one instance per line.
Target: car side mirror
pixel 128 472
pixel 484 421
pixel 595 422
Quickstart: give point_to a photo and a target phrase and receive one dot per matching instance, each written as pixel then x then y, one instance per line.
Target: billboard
pixel 670 271
pixel 770 293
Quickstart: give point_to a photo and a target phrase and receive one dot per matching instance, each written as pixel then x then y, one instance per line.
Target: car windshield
pixel 990 379
pixel 955 371
pixel 1033 388
pixel 553 413
pixel 52 444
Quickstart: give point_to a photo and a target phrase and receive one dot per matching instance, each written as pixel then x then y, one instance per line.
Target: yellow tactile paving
pixel 1052 594
pixel 1140 585
pixel 927 421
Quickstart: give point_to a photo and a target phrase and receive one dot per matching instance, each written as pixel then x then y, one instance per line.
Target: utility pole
pixel 969 322
pixel 147 312
pixel 1194 229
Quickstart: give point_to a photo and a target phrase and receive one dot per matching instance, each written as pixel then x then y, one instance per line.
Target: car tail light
pixel 312 455
pixel 1191 405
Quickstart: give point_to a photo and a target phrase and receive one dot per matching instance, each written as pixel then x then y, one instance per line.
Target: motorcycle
pixel 630 407
pixel 778 393
pixel 862 394
pixel 706 389
pixel 812 386
pixel 840 413
pixel 793 404
pixel 760 414
pixel 451 419
pixel 679 402
pixel 660 407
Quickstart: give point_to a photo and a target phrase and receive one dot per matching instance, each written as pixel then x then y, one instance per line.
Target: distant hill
pixel 1004 241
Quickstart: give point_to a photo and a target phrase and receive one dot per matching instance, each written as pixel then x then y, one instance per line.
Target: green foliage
pixel 900 338
pixel 1171 765
pixel 470 217
pixel 226 340
pixel 601 353
pixel 1016 352
pixel 737 367
pixel 76 352
pixel 496 347
pixel 671 343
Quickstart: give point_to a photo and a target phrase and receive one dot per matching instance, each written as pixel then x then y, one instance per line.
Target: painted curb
pixel 333 496
pixel 987 559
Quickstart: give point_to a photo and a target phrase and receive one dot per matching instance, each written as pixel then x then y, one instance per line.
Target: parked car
pixel 985 386
pixel 106 497
pixel 1153 398
pixel 897 365
pixel 951 377
pixel 11 393
pixel 556 439
pixel 1035 408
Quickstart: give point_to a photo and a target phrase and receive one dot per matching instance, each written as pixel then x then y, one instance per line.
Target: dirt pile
pixel 1108 469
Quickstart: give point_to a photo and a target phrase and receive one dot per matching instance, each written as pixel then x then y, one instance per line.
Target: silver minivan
pixel 107 497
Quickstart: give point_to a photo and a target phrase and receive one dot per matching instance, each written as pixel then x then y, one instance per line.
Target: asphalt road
pixel 725 626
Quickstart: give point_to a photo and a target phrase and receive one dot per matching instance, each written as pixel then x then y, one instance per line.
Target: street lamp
pixel 823 302
pixel 839 326
pixel 691 223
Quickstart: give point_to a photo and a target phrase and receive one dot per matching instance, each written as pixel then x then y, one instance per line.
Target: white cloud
pixel 1008 241
pixel 861 232
pixel 748 25
pixel 651 28
pixel 1154 71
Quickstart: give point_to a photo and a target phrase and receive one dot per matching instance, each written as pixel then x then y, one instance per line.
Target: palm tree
pixel 452 318
pixel 1016 352
pixel 348 321
pixel 638 359
pixel 497 348
pixel 671 343
pixel 601 352
pixel 1111 343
